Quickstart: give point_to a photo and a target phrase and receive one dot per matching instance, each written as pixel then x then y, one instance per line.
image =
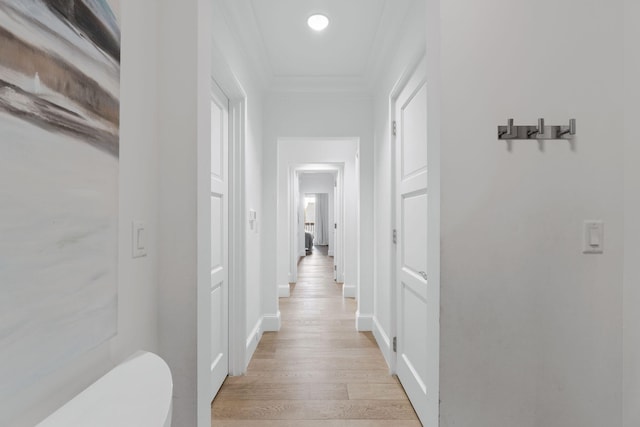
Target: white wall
pixel 137 291
pixel 530 326
pixel 411 45
pixel 188 38
pixel 631 332
pixel 316 115
pixel 253 184
pixel 184 125
pixel 318 183
pixel 163 68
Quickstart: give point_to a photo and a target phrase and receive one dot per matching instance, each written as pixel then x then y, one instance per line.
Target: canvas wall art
pixel 59 150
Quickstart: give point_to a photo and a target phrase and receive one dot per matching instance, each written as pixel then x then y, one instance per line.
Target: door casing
pixel 294 178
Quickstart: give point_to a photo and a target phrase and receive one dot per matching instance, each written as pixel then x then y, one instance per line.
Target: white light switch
pixel 593 242
pixel 139 239
pixel 253 217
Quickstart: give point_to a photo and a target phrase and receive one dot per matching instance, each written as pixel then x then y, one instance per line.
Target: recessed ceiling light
pixel 318 22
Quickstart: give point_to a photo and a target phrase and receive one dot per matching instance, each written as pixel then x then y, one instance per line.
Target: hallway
pixel 317 371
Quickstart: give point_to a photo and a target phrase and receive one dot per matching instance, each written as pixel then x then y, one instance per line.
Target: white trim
pixel 284 291
pixel 293 172
pixel 340 219
pixel 349 291
pixel 293 201
pixel 271 322
pixel 364 322
pixel 252 342
pixel 237 232
pixel 224 77
pixel 204 384
pixel 384 343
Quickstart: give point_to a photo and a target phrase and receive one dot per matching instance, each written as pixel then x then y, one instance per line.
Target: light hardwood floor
pixel 318 370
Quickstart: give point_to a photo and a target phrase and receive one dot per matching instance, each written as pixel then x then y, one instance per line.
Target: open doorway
pixel 317 212
pixel 315 217
pixel 309 208
pixel 318 167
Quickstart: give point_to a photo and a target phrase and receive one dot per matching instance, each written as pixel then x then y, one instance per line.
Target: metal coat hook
pixel 508 130
pixel 538 132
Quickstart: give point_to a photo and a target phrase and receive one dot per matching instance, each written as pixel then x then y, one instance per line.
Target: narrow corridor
pixel 317 371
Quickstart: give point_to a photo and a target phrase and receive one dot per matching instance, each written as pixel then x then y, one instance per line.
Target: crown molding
pixel 318 84
pixel 247 35
pixel 386 38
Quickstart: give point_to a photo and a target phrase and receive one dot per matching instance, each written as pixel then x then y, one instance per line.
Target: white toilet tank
pixel 136 393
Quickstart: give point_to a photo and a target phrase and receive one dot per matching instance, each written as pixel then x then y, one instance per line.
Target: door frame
pixel 314 150
pixel 295 170
pixel 225 80
pixel 433 220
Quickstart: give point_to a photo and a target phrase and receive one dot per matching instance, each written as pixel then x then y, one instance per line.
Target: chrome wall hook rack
pixel 538 132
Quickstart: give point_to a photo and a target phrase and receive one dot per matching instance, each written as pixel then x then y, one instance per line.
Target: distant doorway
pixel 314 217
pixel 309 223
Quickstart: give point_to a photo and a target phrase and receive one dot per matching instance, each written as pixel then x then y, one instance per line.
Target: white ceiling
pixel 292 57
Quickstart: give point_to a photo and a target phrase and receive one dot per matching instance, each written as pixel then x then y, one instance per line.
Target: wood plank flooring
pixel 318 370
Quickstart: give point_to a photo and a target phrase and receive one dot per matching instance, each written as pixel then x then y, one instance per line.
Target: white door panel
pixel 414 128
pixel 217 346
pixel 415 346
pixel 217 142
pixel 412 305
pixel 414 233
pixel 219 240
pixel 217 214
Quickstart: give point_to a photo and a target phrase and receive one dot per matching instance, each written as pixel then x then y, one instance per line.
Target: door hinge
pixel 395 344
pixel 395 236
pixel 395 128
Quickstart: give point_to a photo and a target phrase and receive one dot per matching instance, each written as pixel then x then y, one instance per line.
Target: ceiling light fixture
pixel 318 22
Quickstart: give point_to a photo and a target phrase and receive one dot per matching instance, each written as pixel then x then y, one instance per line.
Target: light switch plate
pixel 138 239
pixel 252 219
pixel 593 237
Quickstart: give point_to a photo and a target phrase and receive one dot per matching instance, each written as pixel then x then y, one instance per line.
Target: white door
pixel 415 348
pixel 219 297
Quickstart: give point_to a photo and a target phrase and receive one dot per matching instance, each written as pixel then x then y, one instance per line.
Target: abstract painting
pixel 59 155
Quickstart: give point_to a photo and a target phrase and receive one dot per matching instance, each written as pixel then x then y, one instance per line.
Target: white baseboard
pixel 364 323
pixel 252 342
pixel 330 252
pixel 348 291
pixel 284 291
pixel 384 342
pixel 271 322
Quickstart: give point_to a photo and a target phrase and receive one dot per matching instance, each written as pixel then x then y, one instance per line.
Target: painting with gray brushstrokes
pixel 59 149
